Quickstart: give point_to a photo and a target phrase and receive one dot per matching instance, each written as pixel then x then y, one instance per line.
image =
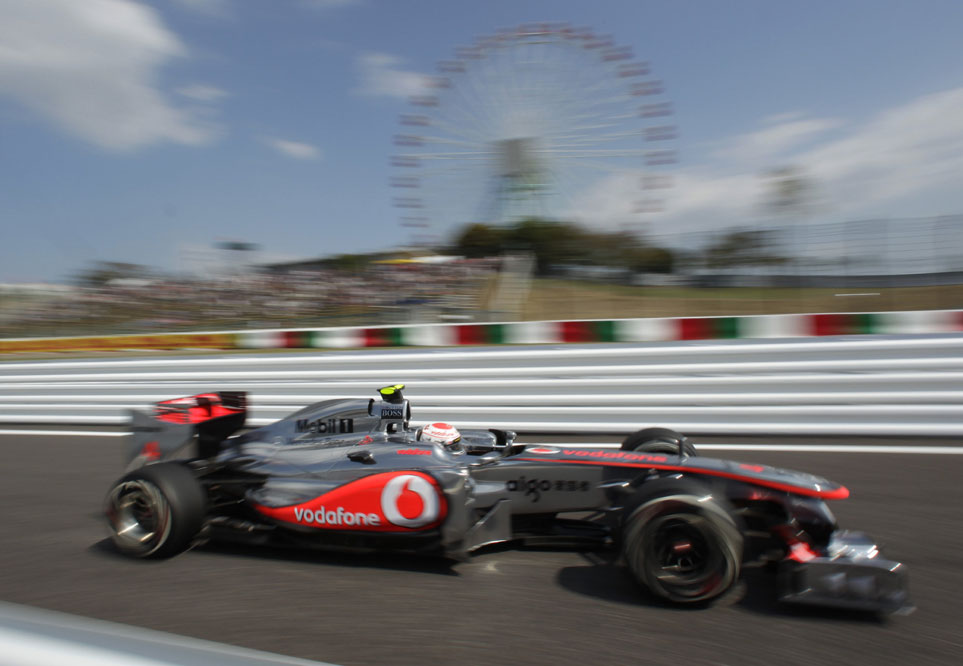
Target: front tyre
pixel 155 511
pixel 685 548
pixel 658 440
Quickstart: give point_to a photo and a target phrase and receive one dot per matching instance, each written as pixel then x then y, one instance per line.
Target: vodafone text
pixel 617 455
pixel 336 517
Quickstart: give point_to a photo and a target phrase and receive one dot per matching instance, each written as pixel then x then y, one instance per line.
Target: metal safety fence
pixel 907 385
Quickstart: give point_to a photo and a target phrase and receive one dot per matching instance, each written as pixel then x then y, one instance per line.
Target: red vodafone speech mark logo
pixel 543 449
pixel 409 501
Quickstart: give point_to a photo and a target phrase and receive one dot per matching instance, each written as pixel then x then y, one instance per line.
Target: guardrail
pixel 910 386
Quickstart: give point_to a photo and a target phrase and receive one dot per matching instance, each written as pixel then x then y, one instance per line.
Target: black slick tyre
pixel 682 544
pixel 155 511
pixel 658 440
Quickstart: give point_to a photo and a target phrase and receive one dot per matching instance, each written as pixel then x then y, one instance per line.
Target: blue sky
pixel 147 131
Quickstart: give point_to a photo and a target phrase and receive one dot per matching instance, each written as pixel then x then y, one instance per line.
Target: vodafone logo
pixel 335 517
pixel 385 502
pixel 409 501
pixel 544 450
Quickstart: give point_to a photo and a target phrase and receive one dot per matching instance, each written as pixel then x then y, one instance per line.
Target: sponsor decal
pixel 386 502
pixel 151 451
pixel 797 483
pixel 535 487
pixel 398 505
pixel 544 450
pixel 367 440
pixel 413 452
pixel 392 412
pixel 335 517
pixel 324 426
pixel 616 455
pixel 752 468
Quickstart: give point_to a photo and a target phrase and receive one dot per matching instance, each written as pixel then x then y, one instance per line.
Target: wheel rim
pixel 139 516
pixel 684 558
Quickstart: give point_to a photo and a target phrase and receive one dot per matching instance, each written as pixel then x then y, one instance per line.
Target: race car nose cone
pixel 862 586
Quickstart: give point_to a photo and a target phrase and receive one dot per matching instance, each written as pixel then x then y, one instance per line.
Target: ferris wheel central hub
pixel 517 158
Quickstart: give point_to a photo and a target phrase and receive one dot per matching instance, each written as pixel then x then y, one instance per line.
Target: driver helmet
pixel 441 433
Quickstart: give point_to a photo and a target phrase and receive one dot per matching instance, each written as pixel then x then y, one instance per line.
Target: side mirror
pixel 486 459
pixel 363 456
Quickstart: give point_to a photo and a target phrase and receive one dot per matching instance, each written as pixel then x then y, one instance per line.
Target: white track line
pixel 831 448
pixel 791 448
pixel 65 433
pixel 804 448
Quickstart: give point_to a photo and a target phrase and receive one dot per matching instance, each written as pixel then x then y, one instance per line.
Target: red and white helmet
pixel 441 433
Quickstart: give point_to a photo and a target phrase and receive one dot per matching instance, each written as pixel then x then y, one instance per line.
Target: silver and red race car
pixel 353 474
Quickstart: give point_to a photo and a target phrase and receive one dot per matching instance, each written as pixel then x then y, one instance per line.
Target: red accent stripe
pixel 830 324
pixel 469 334
pixel 196 414
pixel 291 340
pixel 840 493
pixel 801 552
pixel 576 331
pixel 694 328
pixel 375 337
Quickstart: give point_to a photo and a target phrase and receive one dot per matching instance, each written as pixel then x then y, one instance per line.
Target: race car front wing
pixel 850 574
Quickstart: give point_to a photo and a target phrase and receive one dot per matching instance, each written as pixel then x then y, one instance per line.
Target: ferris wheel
pixel 543 121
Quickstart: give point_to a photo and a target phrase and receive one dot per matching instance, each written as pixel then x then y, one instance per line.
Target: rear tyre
pixel 155 511
pixel 683 546
pixel 658 440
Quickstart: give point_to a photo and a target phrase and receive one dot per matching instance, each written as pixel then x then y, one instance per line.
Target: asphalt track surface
pixel 504 606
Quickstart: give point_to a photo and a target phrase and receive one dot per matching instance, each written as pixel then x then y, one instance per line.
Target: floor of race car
pixel 503 606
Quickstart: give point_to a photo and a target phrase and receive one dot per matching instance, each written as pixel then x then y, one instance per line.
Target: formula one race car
pixel 352 474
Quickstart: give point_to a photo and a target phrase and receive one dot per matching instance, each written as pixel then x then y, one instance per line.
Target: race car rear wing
pixel 173 425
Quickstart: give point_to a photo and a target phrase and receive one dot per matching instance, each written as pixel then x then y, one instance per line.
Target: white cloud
pixel 908 150
pixel 200 92
pixel 294 149
pixel 898 162
pixel 610 203
pixel 381 76
pixel 91 69
pixel 785 133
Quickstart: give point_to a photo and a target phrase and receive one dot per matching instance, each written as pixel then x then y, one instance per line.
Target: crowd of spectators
pixel 404 291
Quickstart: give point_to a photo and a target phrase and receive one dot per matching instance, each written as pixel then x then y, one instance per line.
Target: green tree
pixel 743 247
pixel 480 240
pixel 556 243
pixel 652 260
pixel 552 243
